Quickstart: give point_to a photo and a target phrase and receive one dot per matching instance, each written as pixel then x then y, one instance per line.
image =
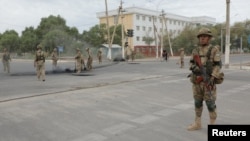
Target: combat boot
pixel 212 121
pixel 196 125
pixel 213 116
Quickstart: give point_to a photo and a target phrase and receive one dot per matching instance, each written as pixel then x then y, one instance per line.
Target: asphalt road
pixel 145 100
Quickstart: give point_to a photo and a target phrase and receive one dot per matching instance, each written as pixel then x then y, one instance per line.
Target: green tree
pixel 49 24
pixel 96 35
pixel 148 40
pixel 28 40
pixel 10 40
pixel 187 39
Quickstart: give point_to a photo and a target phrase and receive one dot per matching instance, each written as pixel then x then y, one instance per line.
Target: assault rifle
pixel 204 76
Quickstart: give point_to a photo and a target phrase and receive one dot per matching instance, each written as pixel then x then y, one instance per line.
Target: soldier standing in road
pixel 6 60
pixel 133 53
pixel 78 61
pixel 204 82
pixel 54 57
pixel 99 55
pixel 165 55
pixel 39 63
pixel 90 59
pixel 182 53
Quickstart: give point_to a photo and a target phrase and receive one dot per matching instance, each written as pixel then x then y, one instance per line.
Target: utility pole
pixel 107 17
pixel 156 35
pixel 162 30
pixel 227 49
pixel 123 54
pixel 169 42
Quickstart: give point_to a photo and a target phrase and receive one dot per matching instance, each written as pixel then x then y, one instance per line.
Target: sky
pixel 19 14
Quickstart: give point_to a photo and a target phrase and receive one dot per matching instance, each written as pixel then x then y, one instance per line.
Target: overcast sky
pixel 18 14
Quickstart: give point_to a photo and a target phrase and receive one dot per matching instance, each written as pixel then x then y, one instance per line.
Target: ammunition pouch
pixel 195 69
pixel 6 57
pixel 219 79
pixel 193 78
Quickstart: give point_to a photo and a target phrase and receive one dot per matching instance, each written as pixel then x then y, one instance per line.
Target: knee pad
pixel 211 105
pixel 198 103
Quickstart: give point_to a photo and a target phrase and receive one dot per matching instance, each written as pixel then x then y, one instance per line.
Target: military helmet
pixel 77 49
pixel 55 49
pixel 39 47
pixel 204 31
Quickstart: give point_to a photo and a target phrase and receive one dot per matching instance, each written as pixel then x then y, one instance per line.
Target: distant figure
pixel 54 57
pixel 6 60
pixel 182 53
pixel 99 55
pixel 133 53
pixel 165 55
pixel 39 63
pixel 78 61
pixel 90 59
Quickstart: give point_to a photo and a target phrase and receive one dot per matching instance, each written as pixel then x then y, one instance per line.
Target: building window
pixel 170 21
pixel 143 18
pixel 137 28
pixel 138 17
pixel 149 19
pixel 144 28
pixel 137 38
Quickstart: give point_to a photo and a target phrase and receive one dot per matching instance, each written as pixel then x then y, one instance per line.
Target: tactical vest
pixel 40 56
pixel 210 63
pixel 6 57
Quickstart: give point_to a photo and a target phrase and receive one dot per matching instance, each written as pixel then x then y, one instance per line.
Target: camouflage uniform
pixel 99 56
pixel 205 91
pixel 182 53
pixel 54 58
pixel 6 60
pixel 90 59
pixel 39 63
pixel 79 61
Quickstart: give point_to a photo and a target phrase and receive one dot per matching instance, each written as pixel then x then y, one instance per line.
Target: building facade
pixel 150 24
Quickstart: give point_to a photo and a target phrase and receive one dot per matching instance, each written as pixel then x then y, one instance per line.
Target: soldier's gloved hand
pixel 211 81
pixel 195 69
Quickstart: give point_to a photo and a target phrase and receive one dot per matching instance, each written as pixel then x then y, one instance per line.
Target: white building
pixel 141 21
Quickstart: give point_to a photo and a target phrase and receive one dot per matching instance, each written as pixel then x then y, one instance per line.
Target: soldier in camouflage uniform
pixel 210 59
pixel 39 63
pixel 6 60
pixel 90 59
pixel 54 57
pixel 79 61
pixel 99 55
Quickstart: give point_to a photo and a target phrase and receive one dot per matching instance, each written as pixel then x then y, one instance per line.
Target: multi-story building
pixel 146 22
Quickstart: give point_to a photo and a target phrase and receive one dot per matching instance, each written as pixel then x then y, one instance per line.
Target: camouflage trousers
pixel 78 66
pixel 40 70
pixel 54 64
pixel 6 66
pixel 89 63
pixel 203 93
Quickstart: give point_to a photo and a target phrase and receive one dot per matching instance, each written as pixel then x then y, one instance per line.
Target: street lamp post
pixel 227 49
